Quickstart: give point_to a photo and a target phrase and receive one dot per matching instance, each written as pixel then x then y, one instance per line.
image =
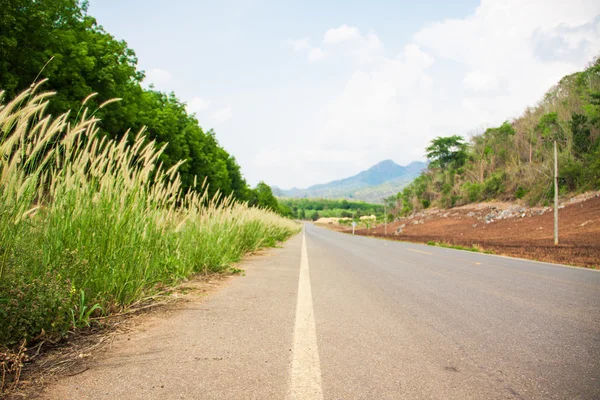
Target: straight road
pixel 334 316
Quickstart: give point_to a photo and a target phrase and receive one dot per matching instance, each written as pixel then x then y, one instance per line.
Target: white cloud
pixel 341 34
pixel 158 77
pixel 222 115
pixel 315 54
pixel 480 81
pixel 349 41
pixel 454 76
pixel 512 46
pixel 197 105
pixel 299 44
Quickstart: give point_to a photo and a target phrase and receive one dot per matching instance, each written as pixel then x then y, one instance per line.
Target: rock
pixel 474 225
pixel 399 230
pixel 471 214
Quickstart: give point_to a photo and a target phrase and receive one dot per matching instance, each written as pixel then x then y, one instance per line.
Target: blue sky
pixel 303 92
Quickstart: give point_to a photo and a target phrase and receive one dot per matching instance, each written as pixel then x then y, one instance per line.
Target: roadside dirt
pixel 509 229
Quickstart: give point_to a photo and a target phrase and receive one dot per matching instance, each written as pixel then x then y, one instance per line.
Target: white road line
pixel 305 374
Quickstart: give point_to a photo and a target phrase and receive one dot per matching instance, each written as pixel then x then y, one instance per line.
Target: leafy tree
pixel 444 151
pixel 262 196
pixel 301 214
pixel 581 134
pixel 58 40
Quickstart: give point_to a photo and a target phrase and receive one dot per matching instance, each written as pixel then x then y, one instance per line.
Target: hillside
pixel 371 185
pixel 515 160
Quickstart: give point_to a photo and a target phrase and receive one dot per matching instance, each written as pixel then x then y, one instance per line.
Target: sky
pixel 304 92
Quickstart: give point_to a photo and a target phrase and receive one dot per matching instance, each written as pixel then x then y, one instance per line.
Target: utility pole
pixel 555 194
pixel 385 217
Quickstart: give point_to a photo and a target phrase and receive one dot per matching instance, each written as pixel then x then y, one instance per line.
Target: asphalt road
pixel 334 316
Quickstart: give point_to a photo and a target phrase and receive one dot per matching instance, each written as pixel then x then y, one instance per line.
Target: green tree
pixel 444 151
pixel 262 196
pixel 301 214
pixel 58 40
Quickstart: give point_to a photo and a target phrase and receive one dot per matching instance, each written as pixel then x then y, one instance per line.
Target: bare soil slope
pixel 510 229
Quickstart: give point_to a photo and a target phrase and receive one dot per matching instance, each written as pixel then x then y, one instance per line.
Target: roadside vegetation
pixel 58 40
pixel 110 203
pixel 474 248
pixel 313 209
pixel 515 160
pixel 91 224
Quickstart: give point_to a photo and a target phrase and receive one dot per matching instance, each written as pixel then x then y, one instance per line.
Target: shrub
pixel 493 186
pixel 520 192
pixel 91 225
pixel 473 191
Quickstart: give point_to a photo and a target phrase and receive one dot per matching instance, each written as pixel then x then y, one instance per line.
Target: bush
pixel 32 304
pixel 572 175
pixel 101 225
pixel 473 191
pixel 520 192
pixel 493 186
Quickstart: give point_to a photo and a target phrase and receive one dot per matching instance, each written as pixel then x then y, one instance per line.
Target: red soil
pixel 531 236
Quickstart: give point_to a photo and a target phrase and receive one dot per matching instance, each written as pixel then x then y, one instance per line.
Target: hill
pixel 372 185
pixel 515 161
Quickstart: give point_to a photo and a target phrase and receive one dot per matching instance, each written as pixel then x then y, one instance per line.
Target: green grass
pixel 473 248
pixel 90 225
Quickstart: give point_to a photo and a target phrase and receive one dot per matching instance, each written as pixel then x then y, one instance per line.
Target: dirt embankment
pixel 510 229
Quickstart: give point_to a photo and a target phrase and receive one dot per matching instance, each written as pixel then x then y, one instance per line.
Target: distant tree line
pixel 58 40
pixel 313 209
pixel 515 160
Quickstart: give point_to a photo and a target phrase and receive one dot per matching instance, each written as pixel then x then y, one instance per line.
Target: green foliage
pixel 473 191
pixel 515 160
pixel 493 186
pixel 581 134
pixel 101 227
pixel 520 192
pixel 572 175
pixel 262 197
pixel 446 151
pixel 306 208
pixel 548 125
pixel 473 248
pixel 30 304
pixel 58 40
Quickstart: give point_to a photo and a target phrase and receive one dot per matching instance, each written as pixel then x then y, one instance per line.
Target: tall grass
pixel 90 224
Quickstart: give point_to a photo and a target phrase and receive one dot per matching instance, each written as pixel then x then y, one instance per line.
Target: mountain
pixel 372 185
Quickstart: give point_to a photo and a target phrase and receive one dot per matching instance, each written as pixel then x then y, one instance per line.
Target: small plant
pixel 475 248
pixel 80 315
pixel 237 271
pixel 520 192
